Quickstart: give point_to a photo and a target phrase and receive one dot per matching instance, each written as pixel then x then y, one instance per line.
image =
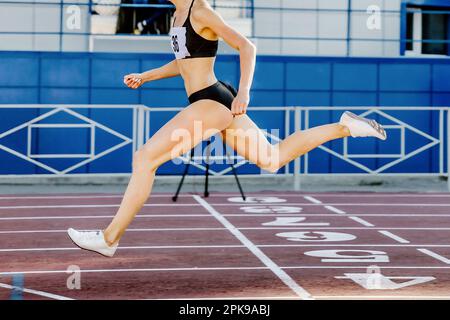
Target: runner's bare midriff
pixel 197 73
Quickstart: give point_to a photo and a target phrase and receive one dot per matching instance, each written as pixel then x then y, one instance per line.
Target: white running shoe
pixel 362 127
pixel 93 241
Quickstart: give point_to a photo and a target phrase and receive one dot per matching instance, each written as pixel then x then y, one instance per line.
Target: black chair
pixel 206 191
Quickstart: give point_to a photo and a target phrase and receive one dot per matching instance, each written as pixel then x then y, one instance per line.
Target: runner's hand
pixel 133 80
pixel 240 103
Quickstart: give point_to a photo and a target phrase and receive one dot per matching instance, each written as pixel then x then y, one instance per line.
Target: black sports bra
pixel 187 44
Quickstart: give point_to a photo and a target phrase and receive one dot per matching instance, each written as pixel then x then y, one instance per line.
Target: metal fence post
pixel 140 130
pixel 297 127
pixel 441 142
pixel 349 26
pixel 61 24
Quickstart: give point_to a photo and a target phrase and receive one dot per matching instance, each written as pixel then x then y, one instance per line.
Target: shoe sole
pixel 375 125
pixel 103 255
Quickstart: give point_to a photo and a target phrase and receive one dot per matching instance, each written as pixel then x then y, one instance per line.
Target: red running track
pixel 273 246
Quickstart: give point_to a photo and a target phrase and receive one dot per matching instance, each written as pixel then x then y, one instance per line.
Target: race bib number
pixel 178 40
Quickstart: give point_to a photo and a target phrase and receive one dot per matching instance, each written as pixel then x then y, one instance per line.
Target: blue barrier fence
pixel 101 139
pixel 81 78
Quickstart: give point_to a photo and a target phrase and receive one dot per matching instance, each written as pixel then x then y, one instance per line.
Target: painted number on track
pixel 316 236
pixel 294 222
pixel 257 200
pixel 271 209
pixel 378 281
pixel 364 256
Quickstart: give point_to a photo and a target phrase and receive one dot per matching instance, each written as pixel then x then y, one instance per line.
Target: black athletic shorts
pixel 221 92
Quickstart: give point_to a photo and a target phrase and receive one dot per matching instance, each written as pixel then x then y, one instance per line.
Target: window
pixel 425 29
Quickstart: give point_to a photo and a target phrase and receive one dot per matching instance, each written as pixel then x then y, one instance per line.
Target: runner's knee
pixel 269 160
pixel 144 160
pixel 269 165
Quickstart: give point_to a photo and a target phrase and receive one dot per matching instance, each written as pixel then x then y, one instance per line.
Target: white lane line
pixel 345 204
pixel 60 197
pixel 230 246
pixel 75 206
pixel 342 195
pixel 249 215
pixel 163 195
pixel 393 236
pixel 377 195
pixel 365 267
pixel 232 298
pixel 329 215
pixel 282 275
pixel 435 255
pixel 383 297
pixel 130 230
pixel 403 297
pixel 312 199
pixel 405 215
pixel 352 245
pixel 365 223
pixel 103 217
pixel 126 248
pixel 112 196
pixel 335 210
pixel 35 292
pixel 7 273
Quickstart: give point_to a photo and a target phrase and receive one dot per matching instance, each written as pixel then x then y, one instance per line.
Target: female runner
pixel 214 107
